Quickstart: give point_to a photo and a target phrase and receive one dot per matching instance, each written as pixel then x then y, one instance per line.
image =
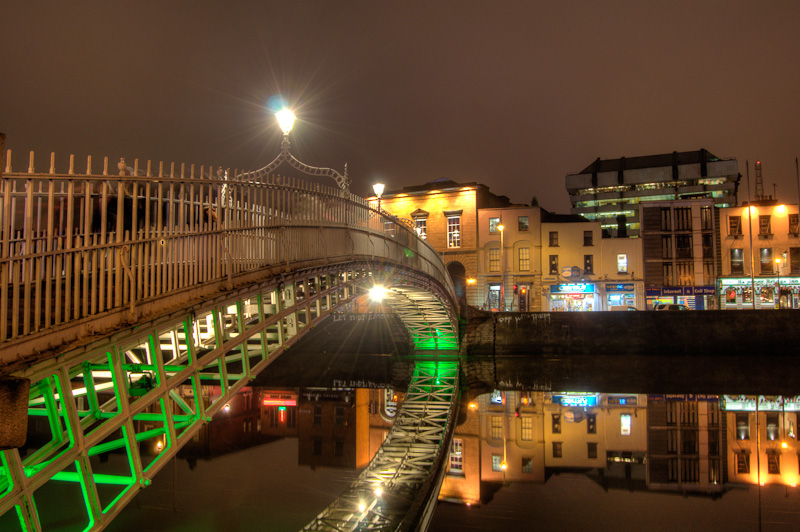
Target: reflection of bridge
pixel 124 297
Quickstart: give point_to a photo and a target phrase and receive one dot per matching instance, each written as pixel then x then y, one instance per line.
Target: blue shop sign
pixel 626 287
pixel 572 288
pixel 575 400
pixel 681 291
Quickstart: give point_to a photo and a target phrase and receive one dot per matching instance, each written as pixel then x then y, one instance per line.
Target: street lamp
pixel 502 267
pixel 285 120
pixel 778 291
pixel 378 189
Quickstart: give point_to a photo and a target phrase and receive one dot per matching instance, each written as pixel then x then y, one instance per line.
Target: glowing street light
pixel 500 228
pixel 378 189
pixel 778 291
pixel 286 120
pixel 377 293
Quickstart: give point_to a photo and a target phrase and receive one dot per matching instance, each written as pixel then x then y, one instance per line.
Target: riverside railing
pixel 78 246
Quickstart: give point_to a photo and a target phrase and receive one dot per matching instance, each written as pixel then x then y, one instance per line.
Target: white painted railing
pixel 75 246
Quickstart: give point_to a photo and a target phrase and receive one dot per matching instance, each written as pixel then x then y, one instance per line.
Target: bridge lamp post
pixel 377 293
pixel 286 120
pixel 378 189
pixel 778 289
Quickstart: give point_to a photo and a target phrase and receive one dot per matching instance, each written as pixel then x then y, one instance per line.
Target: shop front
pixel 573 297
pixel 694 297
pixel 770 293
pixel 620 295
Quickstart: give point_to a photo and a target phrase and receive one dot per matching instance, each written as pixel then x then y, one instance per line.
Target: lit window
pixel 524 259
pixel 625 424
pixel 526 428
pixel 454 231
pixel 497 462
pixel 493 223
pixel 553 264
pixel 456 455
pixel 588 264
pixel 523 223
pixel 494 260
pixel 527 465
pixel 497 427
pixel 742 426
pixel 421 227
pixel 556 423
pixel 622 263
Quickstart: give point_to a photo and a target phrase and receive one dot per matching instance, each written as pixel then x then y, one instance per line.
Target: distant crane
pixel 760 196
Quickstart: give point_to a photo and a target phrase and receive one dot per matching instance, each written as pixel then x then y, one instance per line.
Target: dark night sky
pixel 513 94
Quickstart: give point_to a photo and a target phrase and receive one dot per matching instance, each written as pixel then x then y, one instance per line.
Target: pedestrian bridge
pixel 135 302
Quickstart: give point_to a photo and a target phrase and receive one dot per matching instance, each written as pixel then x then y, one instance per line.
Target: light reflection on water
pixel 634 461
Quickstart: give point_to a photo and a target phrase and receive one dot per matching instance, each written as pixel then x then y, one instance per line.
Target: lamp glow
pixel 159 445
pixel 377 293
pixel 503 466
pixel 378 189
pixel 285 120
pixel 378 491
pixel 362 507
pixel 500 227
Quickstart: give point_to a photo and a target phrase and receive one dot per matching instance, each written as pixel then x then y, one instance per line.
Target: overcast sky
pixel 512 94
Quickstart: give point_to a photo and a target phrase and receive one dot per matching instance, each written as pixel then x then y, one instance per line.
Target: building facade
pixel 760 257
pixel 610 190
pixel 681 252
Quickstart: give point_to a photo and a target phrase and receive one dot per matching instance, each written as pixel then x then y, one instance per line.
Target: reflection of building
pixel 383 407
pixel 333 428
pixel 279 412
pixel 680 252
pixel 463 480
pixel 685 440
pixel 583 271
pixel 610 191
pixel 775 235
pixel 762 439
pixel 595 431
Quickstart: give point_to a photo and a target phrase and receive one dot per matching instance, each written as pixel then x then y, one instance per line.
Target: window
pixel 527 464
pixel 683 246
pixel 494 259
pixel 683 218
pixel 456 455
pixel 666 247
pixel 554 264
pixel 588 264
pixel 493 223
pixel 764 225
pixel 708 273
pixel 553 239
pixel 454 231
pixel 524 259
pixel 317 415
pixel 742 426
pixel 735 225
pixel 497 462
pixel 497 428
pixel 794 260
pixel 774 463
pixel 557 449
pixel 622 263
pixel 742 463
pixel 737 261
pixel 523 223
pixel 625 424
pixel 556 423
pixel 772 427
pixel 316 446
pixel 591 424
pixel 794 224
pixel 708 246
pixel 766 260
pixel 588 238
pixel 338 448
pixel 592 449
pixel 338 416
pixel 706 219
pixel 421 227
pixel 685 273
pixel 666 217
pixel 668 274
pixel 526 428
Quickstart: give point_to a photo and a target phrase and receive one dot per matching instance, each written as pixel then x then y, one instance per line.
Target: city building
pixel 681 252
pixel 583 272
pixel 462 483
pixel 610 190
pixel 445 213
pixel 760 251
pixel 685 443
pixel 762 439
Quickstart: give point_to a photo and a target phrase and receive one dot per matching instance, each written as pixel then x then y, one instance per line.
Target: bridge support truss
pixel 394 489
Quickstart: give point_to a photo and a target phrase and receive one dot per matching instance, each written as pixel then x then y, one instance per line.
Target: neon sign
pixel 575 400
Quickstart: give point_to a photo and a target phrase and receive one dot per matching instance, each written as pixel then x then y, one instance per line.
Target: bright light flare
pixel 780 209
pixel 377 293
pixel 501 227
pixel 377 188
pixel 285 120
pixel 159 445
pixel 503 466
pixel 362 507
pixel 378 491
pixel 227 407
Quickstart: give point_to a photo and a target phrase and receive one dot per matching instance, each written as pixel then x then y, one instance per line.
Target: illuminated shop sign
pixel 627 287
pixel 681 291
pixel 575 400
pixel 682 397
pixel 572 288
pixel 627 400
pixel 758 282
pixel 765 403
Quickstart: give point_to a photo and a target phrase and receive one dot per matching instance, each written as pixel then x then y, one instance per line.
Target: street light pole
pixel 378 189
pixel 778 293
pixel 502 268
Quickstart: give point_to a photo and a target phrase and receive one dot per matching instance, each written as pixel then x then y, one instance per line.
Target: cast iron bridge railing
pixel 218 274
